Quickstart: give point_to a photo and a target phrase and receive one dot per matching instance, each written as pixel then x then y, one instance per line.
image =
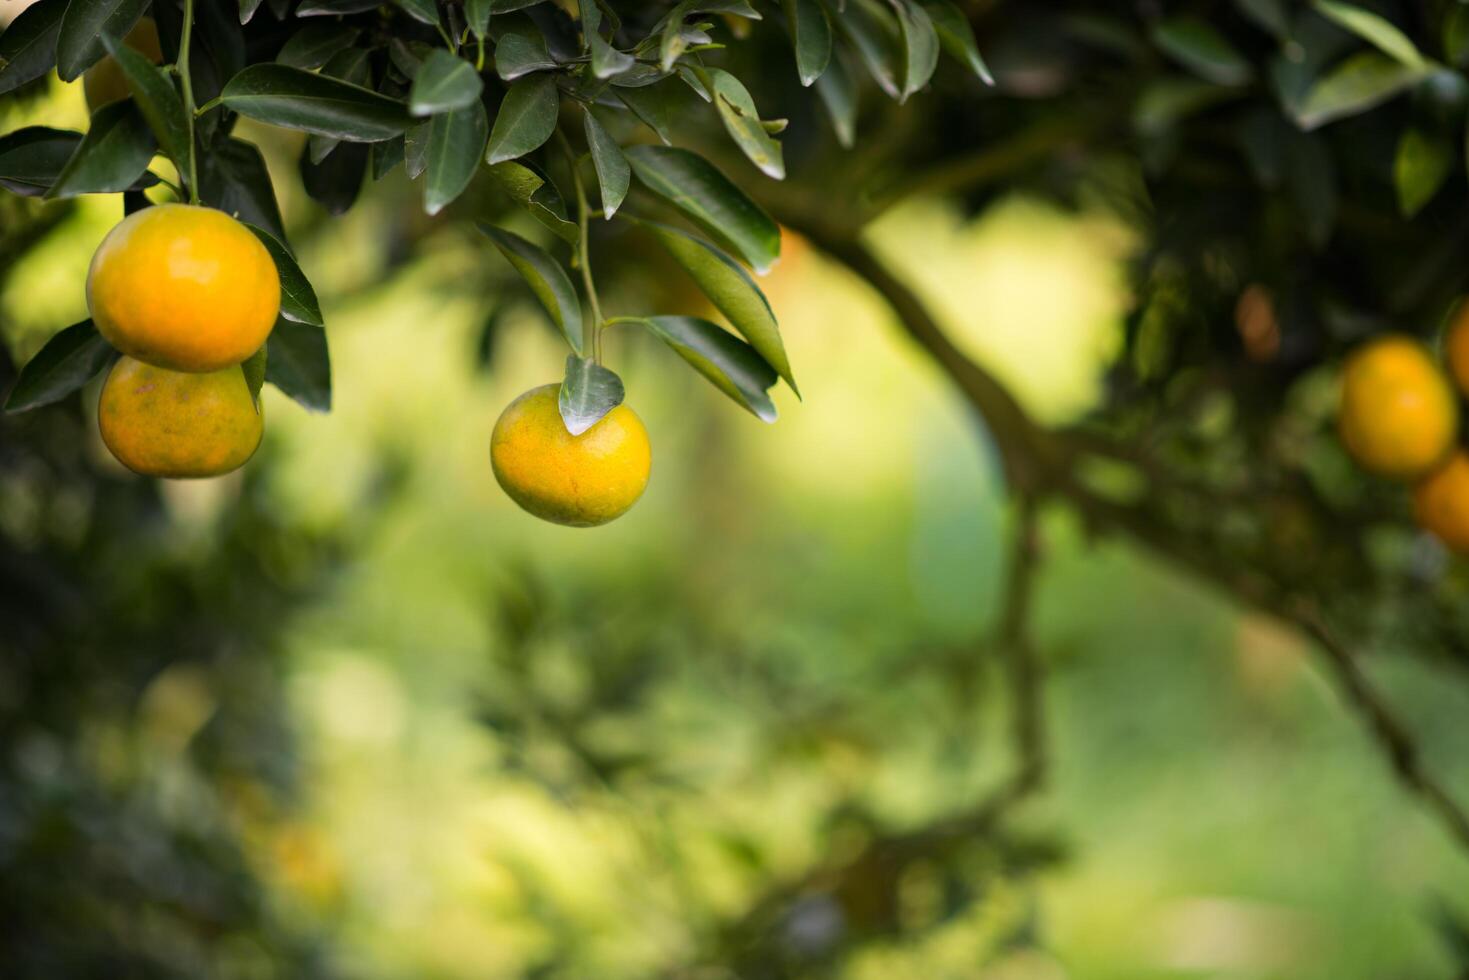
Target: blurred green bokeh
pixel 522 750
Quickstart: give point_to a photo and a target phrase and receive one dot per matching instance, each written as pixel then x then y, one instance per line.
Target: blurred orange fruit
pixel 104 82
pixel 1441 503
pixel 580 481
pixel 178 424
pixel 1398 416
pixel 1456 347
pixel 183 287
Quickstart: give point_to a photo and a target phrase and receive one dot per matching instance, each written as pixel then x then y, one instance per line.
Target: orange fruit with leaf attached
pixel 178 424
pixel 580 481
pixel 183 287
pixel 104 82
pixel 1441 503
pixel 1398 417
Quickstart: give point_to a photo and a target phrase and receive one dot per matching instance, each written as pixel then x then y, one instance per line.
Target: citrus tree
pixel 1283 419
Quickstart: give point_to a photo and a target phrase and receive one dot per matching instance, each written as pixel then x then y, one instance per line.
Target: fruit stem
pixel 188 86
pixel 593 336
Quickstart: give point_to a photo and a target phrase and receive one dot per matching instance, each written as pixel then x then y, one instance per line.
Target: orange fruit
pixel 104 82
pixel 178 424
pixel 580 481
pixel 1398 417
pixel 1456 347
pixel 183 287
pixel 1441 503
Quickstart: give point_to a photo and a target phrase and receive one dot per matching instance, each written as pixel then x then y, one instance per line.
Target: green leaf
pixel 233 178
pixel 157 99
pixel 1363 81
pixel 606 60
pixel 415 148
pixel 957 37
pixel 672 42
pixel 112 155
pixel 423 11
pixel 531 191
pixel 920 45
pixel 477 14
pixel 247 10
pixel 742 122
pixel 85 24
pixel 32 158
pixel 1200 48
pixel 299 364
pixel 732 292
pixel 613 173
pixel 298 299
pixel 518 53
pixel 1375 30
pixel 864 29
pixel 526 119
pixel 589 392
pixel 810 37
pixel 254 370
pixel 1420 168
pixel 694 186
pixel 546 279
pixel 456 142
pixel 655 105
pixel 313 45
pixel 387 155
pixel 69 360
pixel 28 46
pixel 444 82
pixel 731 364
pixel 838 94
pixel 296 99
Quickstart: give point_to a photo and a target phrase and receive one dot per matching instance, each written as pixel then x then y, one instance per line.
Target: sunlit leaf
pixel 731 364
pixel 547 279
pixel 296 99
pixel 695 187
pixel 444 82
pixel 526 119
pixel 587 394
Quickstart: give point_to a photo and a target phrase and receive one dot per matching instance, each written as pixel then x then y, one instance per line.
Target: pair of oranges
pixel 1399 418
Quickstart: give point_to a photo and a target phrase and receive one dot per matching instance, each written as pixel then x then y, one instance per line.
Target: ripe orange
pixel 1456 347
pixel 178 424
pixel 580 481
pixel 183 287
pixel 104 82
pixel 1441 503
pixel 1398 417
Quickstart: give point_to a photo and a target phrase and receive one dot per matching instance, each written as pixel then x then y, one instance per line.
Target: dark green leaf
pixel 68 361
pixel 531 191
pixel 730 363
pixel 32 158
pixel 838 94
pixel 1200 48
pixel 526 119
pixel 456 142
pixel 656 105
pixel 335 182
pixel 415 148
pixel 233 178
pixel 247 10
pixel 1362 82
pixel 957 37
pixel 1420 168
pixel 546 279
pixel 386 155
pixel 85 24
pixel 920 48
pixel 589 392
pixel 299 364
pixel 606 60
pixel 732 291
pixel 254 370
pixel 28 46
pixel 444 82
pixel 810 36
pixel 350 65
pixel 694 186
pixel 477 13
pixel 111 156
pixel 613 173
pixel 298 299
pixel 864 27
pixel 519 53
pixel 327 8
pixel 423 11
pixel 157 99
pixel 742 121
pixel 297 99
pixel 313 45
